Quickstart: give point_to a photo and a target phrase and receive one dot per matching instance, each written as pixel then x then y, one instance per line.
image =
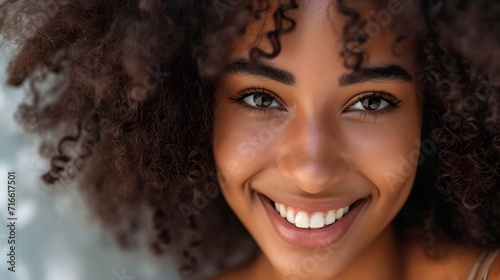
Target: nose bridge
pixel 312 157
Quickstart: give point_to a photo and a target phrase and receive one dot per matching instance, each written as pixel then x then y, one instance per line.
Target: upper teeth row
pixel 303 219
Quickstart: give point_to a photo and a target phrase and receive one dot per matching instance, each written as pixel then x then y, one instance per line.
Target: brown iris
pixel 371 103
pixel 262 100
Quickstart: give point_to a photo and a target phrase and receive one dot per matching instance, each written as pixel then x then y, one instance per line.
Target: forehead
pixel 316 42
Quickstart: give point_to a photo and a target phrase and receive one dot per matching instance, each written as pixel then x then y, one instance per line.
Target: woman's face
pixel 316 161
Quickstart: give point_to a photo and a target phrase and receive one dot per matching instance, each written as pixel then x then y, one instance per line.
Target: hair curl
pixel 135 129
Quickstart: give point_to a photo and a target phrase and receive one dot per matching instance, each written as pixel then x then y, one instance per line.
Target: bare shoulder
pixel 255 267
pixel 241 272
pixel 495 269
pixel 453 261
pixel 234 274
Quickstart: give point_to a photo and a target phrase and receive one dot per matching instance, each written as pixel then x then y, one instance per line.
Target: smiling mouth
pixel 312 225
pixel 314 220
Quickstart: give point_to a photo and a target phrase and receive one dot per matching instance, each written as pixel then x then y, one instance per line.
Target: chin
pixel 318 263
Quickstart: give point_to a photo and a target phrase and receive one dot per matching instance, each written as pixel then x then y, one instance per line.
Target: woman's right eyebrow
pixel 244 67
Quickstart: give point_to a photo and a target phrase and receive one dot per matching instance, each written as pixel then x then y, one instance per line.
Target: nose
pixel 311 155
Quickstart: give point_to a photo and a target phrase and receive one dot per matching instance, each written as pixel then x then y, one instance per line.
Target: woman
pixel 351 139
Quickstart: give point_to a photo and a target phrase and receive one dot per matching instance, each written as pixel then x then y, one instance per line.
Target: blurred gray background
pixel 54 238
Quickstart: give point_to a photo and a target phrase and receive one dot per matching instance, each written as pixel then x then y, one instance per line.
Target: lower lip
pixel 311 238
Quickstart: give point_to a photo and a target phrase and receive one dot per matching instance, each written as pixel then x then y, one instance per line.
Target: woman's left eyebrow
pixel 383 73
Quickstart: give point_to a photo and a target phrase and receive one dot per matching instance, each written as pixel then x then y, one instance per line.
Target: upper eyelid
pixel 250 91
pixel 376 93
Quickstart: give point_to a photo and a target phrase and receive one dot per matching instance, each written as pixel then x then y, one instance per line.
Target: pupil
pixel 371 103
pixel 261 101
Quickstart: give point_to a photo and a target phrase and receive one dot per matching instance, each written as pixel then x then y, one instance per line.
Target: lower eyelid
pixel 255 110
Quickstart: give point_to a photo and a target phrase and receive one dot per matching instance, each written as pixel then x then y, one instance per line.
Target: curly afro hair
pixel 121 93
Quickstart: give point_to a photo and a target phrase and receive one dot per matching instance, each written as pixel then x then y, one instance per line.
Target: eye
pixel 375 103
pixel 257 100
pixel 262 100
pixel 370 104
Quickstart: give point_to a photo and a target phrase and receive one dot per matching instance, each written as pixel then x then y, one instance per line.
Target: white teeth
pixel 302 219
pixel 339 214
pixel 317 220
pixel 282 210
pixel 330 217
pixel 290 216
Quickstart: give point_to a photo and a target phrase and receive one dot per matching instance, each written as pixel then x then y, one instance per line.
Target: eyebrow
pixel 390 72
pixel 243 66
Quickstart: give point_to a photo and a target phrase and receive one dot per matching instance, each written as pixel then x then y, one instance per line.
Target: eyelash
pixel 254 110
pixel 391 100
pixel 374 114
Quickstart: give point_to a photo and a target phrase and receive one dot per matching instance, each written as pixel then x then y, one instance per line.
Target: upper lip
pixel 313 205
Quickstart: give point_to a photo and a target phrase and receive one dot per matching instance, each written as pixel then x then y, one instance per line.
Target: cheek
pixel 387 156
pixel 242 147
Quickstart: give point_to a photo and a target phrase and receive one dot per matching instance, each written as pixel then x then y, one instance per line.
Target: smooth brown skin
pixel 317 150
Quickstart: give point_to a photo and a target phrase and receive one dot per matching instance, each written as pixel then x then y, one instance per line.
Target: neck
pixel 379 261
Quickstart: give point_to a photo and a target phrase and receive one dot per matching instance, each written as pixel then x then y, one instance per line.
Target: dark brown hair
pixel 122 96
